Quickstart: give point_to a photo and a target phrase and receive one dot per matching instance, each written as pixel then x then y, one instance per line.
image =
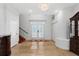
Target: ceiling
pixel 34 8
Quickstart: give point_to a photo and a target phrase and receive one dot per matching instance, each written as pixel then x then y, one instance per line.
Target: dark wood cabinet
pixel 5 49
pixel 74 33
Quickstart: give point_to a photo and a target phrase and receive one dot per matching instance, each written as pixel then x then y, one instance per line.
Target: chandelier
pixel 44 7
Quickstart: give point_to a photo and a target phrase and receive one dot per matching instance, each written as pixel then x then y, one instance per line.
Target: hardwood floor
pixel 40 48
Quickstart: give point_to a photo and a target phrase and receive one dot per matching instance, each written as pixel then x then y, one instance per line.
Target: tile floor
pixel 42 48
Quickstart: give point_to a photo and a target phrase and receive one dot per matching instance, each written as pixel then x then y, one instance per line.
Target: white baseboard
pixel 62 43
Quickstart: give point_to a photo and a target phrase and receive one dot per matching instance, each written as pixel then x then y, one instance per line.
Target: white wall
pixel 10 15
pixel 48 29
pixel 2 20
pixel 75 9
pixel 60 27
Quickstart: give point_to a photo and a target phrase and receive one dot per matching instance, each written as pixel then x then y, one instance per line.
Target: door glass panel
pixel 37 29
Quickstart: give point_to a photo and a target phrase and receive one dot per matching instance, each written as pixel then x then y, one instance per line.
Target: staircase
pixel 21 38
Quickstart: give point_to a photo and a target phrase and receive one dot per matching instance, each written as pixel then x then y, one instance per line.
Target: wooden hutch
pixel 74 33
pixel 5 49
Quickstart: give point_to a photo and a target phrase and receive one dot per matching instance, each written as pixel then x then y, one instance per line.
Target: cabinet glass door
pixel 72 31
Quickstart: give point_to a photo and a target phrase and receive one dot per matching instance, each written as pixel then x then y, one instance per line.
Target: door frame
pixel 31 30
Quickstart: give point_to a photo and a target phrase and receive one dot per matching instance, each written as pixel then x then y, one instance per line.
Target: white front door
pixel 37 30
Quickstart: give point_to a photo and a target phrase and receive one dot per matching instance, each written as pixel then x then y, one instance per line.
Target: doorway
pixel 37 30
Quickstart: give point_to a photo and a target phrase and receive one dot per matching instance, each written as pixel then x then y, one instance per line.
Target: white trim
pixel 62 43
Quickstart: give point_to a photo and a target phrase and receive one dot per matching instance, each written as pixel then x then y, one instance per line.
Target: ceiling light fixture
pixel 44 7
